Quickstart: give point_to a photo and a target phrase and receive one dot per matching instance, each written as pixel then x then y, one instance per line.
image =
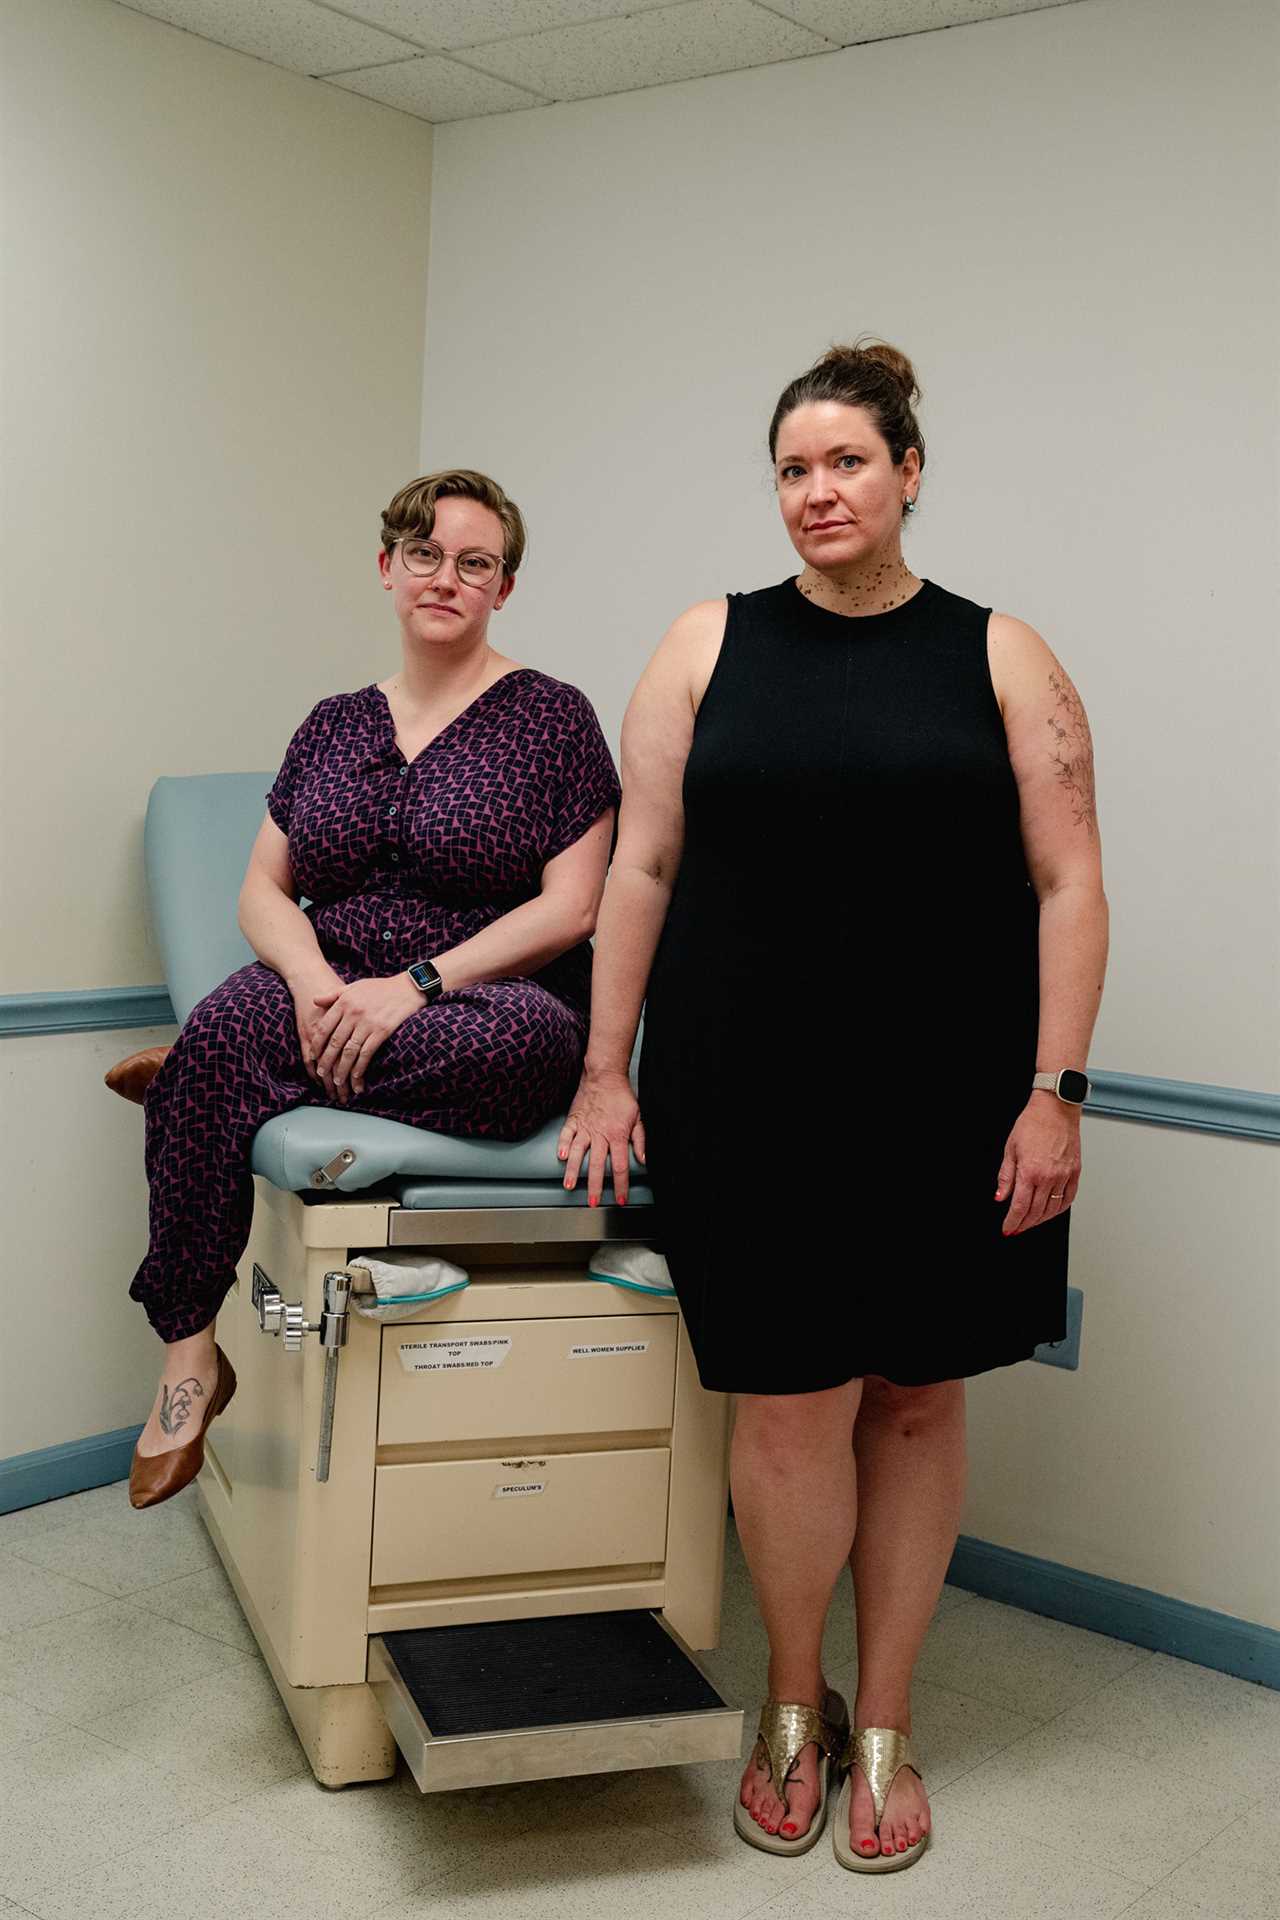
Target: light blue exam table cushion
pixel 199 832
pixel 288 1149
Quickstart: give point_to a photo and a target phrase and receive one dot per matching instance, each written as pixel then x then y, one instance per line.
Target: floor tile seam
pixel 120 1854
pixel 1214 1838
pixel 141 1754
pixel 109 1593
pixel 140 1699
pixel 217 1638
pixel 1066 1853
pixel 1005 1748
pixel 54 1573
pixel 439 1882
pixel 1069 1856
pixel 59 1719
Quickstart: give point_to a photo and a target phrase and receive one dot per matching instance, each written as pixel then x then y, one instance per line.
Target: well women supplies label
pixel 605 1351
pixel 477 1353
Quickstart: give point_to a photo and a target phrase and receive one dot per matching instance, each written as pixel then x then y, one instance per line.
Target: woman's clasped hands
pixel 341 1026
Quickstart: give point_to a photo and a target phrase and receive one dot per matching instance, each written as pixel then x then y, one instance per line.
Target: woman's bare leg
pixel 909 1443
pixel 181 1402
pixel 795 1502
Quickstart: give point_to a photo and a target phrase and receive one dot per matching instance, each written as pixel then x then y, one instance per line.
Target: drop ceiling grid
pixel 446 60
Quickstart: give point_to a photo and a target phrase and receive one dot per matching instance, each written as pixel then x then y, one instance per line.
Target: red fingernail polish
pixel 591 1200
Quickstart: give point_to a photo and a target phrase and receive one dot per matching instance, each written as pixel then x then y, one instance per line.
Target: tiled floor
pixel 147 1770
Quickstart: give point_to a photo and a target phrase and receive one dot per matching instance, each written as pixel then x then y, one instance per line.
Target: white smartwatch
pixel 1070 1085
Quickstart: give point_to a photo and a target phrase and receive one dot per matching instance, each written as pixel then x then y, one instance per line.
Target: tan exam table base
pixel 536 1480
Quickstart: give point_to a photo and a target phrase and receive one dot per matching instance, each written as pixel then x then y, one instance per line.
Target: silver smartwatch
pixel 426 979
pixel 1070 1085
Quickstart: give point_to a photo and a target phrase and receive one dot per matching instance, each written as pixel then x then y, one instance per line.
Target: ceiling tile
pixel 288 33
pixel 436 89
pixel 448 24
pixel 647 49
pixel 849 21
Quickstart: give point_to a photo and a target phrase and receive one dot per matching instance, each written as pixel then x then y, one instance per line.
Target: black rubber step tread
pixel 508 1674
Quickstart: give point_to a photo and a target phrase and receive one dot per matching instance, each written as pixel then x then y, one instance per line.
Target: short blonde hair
pixel 413 510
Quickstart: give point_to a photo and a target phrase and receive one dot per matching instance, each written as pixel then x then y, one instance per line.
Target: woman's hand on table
pixel 603 1124
pixel 1041 1165
pixel 351 1024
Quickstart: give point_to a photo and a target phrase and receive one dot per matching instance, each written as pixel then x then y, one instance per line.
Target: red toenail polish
pixel 788 1826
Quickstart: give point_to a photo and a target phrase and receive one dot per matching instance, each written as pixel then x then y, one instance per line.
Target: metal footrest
pixel 510 1700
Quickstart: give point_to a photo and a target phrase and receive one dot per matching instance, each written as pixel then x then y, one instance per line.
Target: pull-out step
pixel 472 1706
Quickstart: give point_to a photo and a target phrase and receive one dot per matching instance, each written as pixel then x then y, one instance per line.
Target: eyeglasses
pixel 475 567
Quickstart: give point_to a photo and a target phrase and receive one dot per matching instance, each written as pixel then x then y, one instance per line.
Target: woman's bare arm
pixel 1051 752
pixel 270 918
pixel 656 736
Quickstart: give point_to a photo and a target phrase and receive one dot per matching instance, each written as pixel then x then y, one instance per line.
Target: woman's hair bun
pixel 869 374
pixel 879 353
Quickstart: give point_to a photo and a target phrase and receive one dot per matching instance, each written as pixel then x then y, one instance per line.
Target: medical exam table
pixel 491 1534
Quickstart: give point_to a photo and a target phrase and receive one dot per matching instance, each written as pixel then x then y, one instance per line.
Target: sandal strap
pixel 881 1752
pixel 786 1729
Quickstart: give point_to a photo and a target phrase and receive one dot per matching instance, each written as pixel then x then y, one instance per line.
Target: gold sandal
pixel 881 1752
pixel 786 1729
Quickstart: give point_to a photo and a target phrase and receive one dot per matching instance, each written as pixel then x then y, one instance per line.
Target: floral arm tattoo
pixel 1072 750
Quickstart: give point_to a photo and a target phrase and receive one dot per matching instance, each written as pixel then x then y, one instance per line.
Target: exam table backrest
pixel 199 832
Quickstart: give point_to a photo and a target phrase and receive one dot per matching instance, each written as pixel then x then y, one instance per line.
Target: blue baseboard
pixel 1145 1619
pixel 74 1467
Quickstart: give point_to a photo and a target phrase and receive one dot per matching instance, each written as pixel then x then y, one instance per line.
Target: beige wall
pixel 210 362
pixel 1068 219
pixel 212 351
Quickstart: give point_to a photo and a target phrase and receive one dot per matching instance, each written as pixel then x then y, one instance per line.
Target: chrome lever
pixel 284 1319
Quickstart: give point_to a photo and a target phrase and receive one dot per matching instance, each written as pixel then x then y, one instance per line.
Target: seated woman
pixel 451 829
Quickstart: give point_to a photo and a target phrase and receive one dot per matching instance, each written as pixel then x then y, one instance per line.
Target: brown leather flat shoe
pixel 154 1477
pixel 130 1078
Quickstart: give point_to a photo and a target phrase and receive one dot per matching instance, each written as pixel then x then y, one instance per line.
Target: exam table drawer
pixel 486 1379
pixel 470 1519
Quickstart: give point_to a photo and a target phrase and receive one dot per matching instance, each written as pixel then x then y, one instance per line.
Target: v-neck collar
pixel 388 726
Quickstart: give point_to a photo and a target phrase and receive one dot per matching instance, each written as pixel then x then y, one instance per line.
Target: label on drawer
pixel 602 1351
pixel 476 1354
pixel 518 1489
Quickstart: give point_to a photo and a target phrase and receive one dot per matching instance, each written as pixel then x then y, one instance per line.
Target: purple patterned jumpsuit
pixel 400 860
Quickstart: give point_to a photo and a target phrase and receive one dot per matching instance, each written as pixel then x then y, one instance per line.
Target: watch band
pixel 1069 1084
pixel 426 979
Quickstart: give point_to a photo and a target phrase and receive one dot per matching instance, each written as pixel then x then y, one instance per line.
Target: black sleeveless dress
pixel 841 1020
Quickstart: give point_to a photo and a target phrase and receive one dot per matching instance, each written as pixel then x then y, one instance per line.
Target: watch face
pixel 1072 1086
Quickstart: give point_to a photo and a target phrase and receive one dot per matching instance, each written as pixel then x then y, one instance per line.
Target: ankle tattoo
pixel 175 1407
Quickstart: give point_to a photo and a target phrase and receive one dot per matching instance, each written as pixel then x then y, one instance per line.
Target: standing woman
pixel 859 877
